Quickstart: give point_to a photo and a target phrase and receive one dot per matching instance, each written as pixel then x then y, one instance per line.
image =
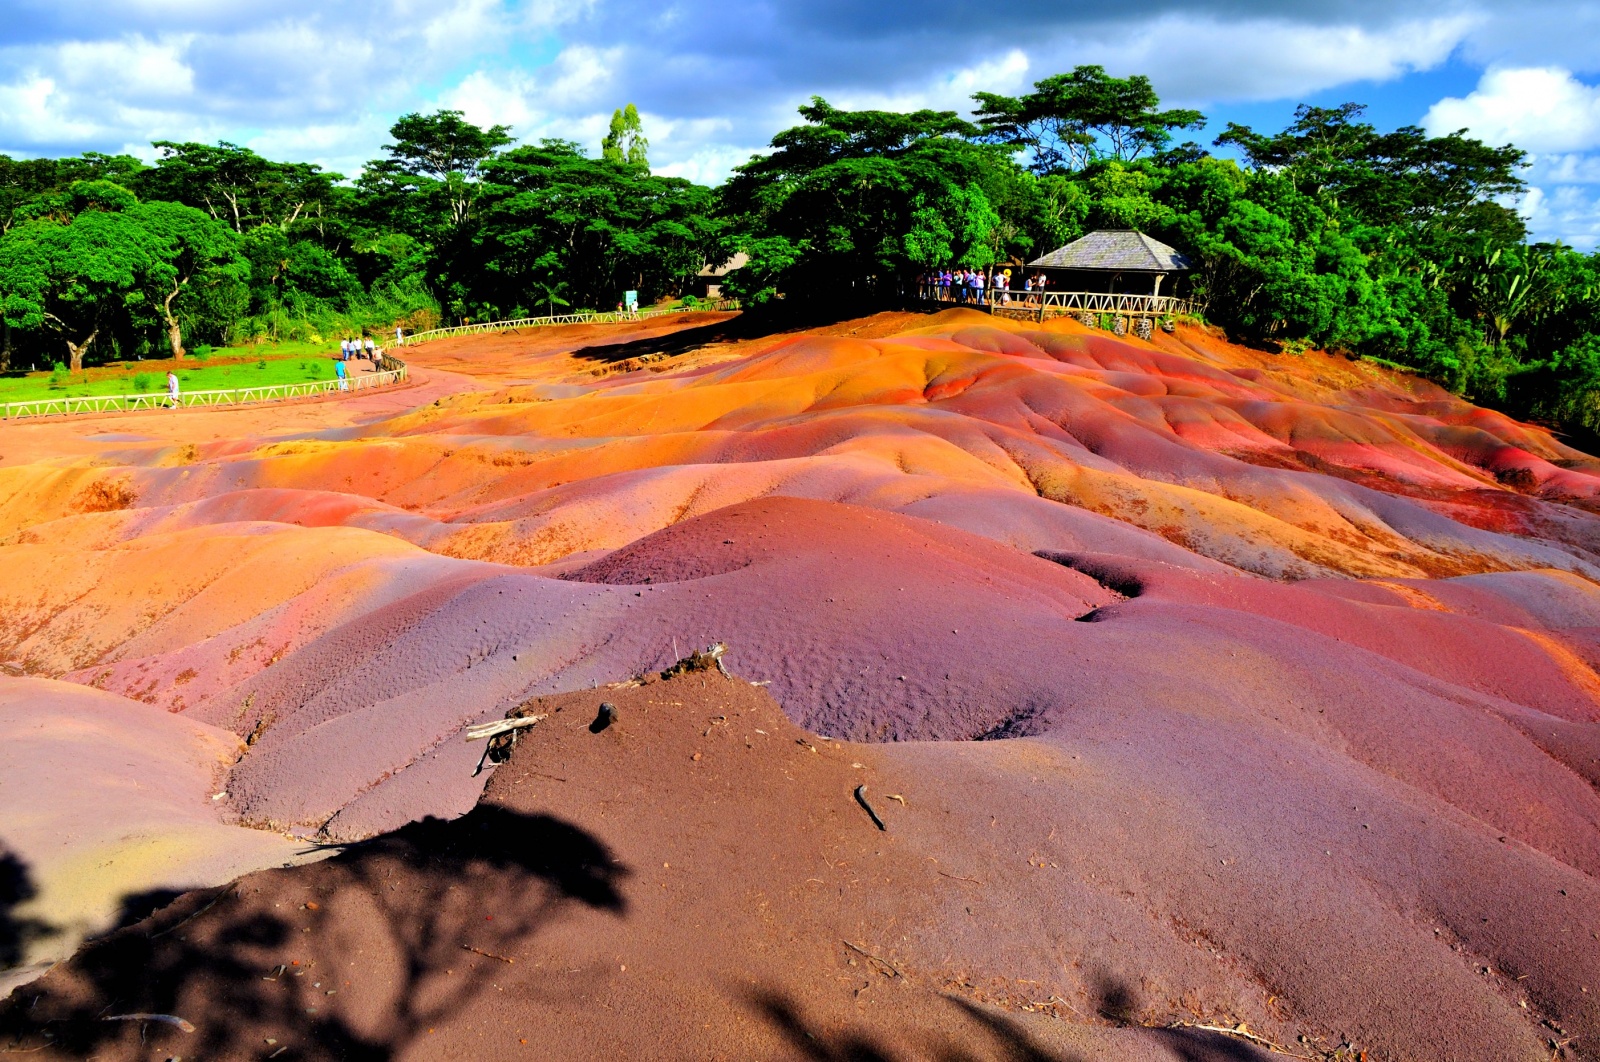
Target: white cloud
pixel 1567 213
pixel 1572 168
pixel 708 165
pixel 1265 59
pixel 131 67
pixel 1536 108
pixel 1006 72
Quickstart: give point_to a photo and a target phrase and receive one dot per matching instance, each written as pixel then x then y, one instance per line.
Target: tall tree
pixel 849 202
pixel 190 248
pixel 234 184
pixel 1071 120
pixel 444 151
pixel 1450 183
pixel 561 221
pixel 625 143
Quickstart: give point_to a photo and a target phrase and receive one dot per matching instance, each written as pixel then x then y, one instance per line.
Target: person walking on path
pixel 371 349
pixel 977 287
pixel 340 371
pixel 344 350
pixel 172 389
pixel 399 335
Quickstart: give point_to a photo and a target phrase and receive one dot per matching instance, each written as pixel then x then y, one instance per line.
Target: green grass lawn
pixel 223 368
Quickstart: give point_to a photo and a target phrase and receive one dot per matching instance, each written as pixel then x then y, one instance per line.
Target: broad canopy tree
pixel 848 203
pixel 557 221
pixel 115 258
pixel 437 157
pixel 234 184
pixel 1071 120
pixel 190 249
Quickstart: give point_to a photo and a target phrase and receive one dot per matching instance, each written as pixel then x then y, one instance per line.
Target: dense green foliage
pixel 1330 233
pixel 1393 245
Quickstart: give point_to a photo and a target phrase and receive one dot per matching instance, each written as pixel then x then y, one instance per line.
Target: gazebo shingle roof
pixel 1121 250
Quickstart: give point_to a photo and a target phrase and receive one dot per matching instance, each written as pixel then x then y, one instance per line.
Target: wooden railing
pixel 1042 304
pixel 603 317
pixel 393 371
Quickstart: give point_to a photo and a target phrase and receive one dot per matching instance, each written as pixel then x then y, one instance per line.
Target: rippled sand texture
pixel 1300 653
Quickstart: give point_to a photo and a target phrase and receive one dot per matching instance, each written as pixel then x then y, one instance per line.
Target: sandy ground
pixel 696 880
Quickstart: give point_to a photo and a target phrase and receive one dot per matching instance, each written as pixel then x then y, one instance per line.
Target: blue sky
pixel 321 81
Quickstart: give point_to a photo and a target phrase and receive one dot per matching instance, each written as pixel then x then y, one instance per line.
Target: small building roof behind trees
pixel 1115 251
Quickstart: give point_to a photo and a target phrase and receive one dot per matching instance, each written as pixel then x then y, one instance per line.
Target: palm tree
pixel 550 293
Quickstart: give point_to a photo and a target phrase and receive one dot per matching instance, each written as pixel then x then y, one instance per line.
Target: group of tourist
pixel 976 286
pixel 354 348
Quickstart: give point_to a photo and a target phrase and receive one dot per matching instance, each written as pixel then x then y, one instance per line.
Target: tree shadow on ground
pixel 419 921
pixel 1001 1039
pixel 17 931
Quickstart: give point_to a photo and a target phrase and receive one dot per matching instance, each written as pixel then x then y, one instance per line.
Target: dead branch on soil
pixel 893 970
pixel 502 737
pixel 169 1019
pixel 494 728
pixel 488 954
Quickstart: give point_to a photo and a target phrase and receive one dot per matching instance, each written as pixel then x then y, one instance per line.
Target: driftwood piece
pixel 502 737
pixel 496 727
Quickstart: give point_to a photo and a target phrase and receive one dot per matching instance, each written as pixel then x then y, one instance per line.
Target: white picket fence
pixel 233 396
pixel 604 317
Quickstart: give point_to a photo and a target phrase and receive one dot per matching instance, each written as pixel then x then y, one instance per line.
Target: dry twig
pixel 958 877
pixel 488 954
pixel 885 963
pixel 226 889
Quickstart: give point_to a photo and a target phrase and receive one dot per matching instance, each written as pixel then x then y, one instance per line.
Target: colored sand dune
pixel 1219 687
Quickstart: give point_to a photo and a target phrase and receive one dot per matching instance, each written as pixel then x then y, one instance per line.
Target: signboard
pixel 630 299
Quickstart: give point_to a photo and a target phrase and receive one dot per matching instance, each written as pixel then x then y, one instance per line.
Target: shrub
pixel 144 381
pixel 202 352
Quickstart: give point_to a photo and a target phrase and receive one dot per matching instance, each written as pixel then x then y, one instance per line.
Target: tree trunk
pixel 174 333
pixel 5 346
pixel 76 351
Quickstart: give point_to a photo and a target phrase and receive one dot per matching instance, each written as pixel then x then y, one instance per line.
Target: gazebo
pixel 1114 253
